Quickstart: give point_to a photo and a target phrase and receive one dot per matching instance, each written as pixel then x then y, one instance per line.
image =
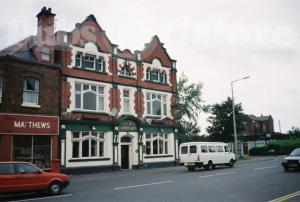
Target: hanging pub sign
pixel 28 124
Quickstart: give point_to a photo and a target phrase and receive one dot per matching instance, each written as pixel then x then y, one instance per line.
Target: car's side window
pixel 7 169
pixel 220 149
pixel 226 149
pixel 211 149
pixel 26 169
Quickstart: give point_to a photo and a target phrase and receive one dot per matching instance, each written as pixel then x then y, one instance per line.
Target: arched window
pixel 126 71
pixel 156 144
pixel 89 97
pixel 156 104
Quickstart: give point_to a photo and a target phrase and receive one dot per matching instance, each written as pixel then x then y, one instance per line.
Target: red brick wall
pixel 6 147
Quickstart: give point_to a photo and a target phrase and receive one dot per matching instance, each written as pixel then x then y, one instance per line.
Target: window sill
pixel 158 156
pixel 89 159
pixel 32 105
pixel 157 82
pixel 127 77
pixel 156 116
pixel 90 112
pixel 90 70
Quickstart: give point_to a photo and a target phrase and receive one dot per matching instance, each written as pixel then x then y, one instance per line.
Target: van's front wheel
pixel 231 163
pixel 209 166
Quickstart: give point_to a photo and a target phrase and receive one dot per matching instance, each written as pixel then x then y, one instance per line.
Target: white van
pixel 205 154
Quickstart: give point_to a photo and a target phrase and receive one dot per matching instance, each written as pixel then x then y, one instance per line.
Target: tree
pixel 189 103
pixel 295 132
pixel 221 128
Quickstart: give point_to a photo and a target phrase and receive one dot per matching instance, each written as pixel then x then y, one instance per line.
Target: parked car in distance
pixel 26 177
pixel 205 154
pixel 292 160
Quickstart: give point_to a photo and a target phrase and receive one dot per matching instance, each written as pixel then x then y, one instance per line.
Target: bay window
pixel 156 144
pixel 89 97
pixel 87 144
pixel 156 104
pixel 31 91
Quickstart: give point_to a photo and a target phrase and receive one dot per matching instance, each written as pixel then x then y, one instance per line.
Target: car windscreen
pixel 296 152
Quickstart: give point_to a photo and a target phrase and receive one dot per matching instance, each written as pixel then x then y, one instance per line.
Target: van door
pixel 184 154
pixel 193 156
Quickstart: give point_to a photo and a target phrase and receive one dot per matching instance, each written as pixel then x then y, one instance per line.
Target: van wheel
pixel 209 166
pixel 231 163
pixel 286 168
pixel 55 188
pixel 191 168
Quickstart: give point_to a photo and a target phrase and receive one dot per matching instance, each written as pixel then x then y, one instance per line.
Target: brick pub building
pixel 116 107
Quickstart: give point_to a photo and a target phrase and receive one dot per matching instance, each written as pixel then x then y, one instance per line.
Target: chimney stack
pixel 45 29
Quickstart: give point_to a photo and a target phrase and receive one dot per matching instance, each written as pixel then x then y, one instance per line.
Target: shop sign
pixel 28 124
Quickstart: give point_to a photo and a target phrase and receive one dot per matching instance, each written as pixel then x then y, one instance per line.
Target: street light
pixel 233 112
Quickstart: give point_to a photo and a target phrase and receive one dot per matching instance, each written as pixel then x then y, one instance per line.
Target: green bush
pixel 277 147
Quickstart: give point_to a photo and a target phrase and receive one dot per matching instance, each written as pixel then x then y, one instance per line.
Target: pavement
pixel 253 180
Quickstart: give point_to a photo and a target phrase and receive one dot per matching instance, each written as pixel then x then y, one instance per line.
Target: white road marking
pixel 41 198
pixel 142 185
pixel 284 198
pixel 256 169
pixel 218 174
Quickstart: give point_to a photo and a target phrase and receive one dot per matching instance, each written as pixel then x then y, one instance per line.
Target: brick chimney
pixel 45 28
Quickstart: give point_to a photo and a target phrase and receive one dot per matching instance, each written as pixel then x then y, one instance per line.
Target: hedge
pixel 277 147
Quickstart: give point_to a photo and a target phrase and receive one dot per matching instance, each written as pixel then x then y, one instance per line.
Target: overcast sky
pixel 214 42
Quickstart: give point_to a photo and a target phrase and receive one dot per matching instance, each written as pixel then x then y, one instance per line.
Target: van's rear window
pixel 184 150
pixel 193 149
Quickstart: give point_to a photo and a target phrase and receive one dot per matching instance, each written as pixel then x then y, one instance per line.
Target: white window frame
pixel 161 137
pixel 126 99
pixel 102 63
pixel 99 138
pixel 148 74
pixel 87 58
pixel 158 75
pixel 99 96
pixel 80 59
pixel 163 103
pixel 35 91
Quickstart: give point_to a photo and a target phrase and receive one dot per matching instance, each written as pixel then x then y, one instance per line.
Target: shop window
pixel 45 54
pixel 156 104
pixel 89 97
pixel 156 144
pixel 34 149
pixel 126 101
pixel 31 91
pixel 87 144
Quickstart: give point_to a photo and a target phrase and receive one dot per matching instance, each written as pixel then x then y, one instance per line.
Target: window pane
pixel 78 87
pixel 204 149
pixel 26 169
pixel 30 84
pixel 75 153
pixel 126 105
pixel 184 150
pixel 212 149
pixel 125 93
pixel 156 107
pixel 101 149
pixel 148 136
pixel 101 135
pixel 148 148
pixel 93 148
pixel 149 108
pixel 85 134
pixel 22 148
pixel 166 147
pixel 78 101
pixel 93 88
pixel 226 149
pixel 101 90
pixel 164 109
pixel 155 146
pixel 41 151
pixel 148 96
pixel 89 101
pixel 75 134
pixel 193 149
pixel 85 87
pixel 101 103
pixel 161 147
pixel 85 148
pixel 7 169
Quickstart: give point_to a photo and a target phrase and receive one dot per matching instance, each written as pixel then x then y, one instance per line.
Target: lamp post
pixel 233 112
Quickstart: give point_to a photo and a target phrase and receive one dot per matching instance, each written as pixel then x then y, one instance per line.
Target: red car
pixel 25 177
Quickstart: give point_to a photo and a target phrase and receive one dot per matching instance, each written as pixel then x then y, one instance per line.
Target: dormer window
pixel 89 62
pixel 155 75
pixel 78 59
pixel 126 71
pixel 148 74
pixel 45 54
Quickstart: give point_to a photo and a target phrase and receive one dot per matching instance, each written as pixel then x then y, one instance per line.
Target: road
pixel 259 179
